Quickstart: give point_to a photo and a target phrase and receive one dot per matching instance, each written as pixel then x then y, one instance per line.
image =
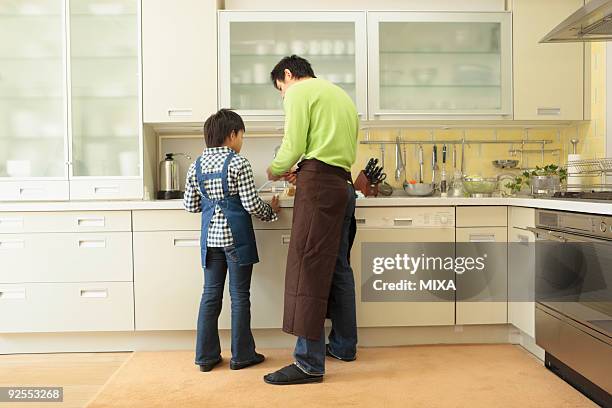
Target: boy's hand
pixel 275 204
pixel 271 176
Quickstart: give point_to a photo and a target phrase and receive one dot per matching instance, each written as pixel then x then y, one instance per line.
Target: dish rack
pixel 591 168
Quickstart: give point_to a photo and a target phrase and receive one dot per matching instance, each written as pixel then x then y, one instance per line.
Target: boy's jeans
pixel 310 355
pixel 208 349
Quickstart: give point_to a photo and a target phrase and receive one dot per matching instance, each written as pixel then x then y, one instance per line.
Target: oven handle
pixel 548 235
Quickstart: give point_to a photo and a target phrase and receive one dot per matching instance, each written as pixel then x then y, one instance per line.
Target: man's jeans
pixel 310 355
pixel 208 349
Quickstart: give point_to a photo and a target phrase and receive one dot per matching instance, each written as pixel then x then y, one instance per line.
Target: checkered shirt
pixel 240 181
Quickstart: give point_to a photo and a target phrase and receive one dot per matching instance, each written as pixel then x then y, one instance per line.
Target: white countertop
pixel 604 208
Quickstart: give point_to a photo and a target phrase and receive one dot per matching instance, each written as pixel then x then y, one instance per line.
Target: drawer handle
pixel 90 221
pixel 186 243
pixel 13 294
pixel 398 222
pixel 180 112
pixel 11 222
pixel 285 239
pixel 94 293
pixel 12 244
pixel 482 237
pixel 30 190
pixel 549 111
pixel 360 220
pixel 92 243
pixel 106 189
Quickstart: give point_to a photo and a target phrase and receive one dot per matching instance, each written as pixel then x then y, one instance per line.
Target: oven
pixel 573 294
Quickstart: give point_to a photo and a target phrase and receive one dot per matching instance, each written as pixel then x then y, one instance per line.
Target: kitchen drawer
pixel 180 220
pixel 66 257
pixel 482 234
pixel 61 307
pixel 482 216
pixel 521 217
pixel 405 217
pixel 65 221
pixel 52 190
pixel 106 189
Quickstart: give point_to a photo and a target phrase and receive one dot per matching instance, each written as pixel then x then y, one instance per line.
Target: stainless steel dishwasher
pixel 573 293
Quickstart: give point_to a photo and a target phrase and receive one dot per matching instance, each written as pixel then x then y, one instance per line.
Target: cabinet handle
pixel 402 221
pixel 30 190
pixel 94 293
pixel 549 111
pixel 92 243
pixel 13 294
pixel 180 112
pixel 11 222
pixel 12 244
pixel 285 239
pixel 106 189
pixel 177 242
pixel 360 220
pixel 482 237
pixel 90 221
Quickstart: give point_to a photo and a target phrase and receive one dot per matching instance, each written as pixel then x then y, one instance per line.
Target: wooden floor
pixel 81 374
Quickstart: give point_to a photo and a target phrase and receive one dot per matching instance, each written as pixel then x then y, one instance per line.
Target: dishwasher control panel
pixel 405 217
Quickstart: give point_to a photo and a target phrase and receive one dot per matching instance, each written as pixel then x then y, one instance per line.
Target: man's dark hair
pixel 220 126
pixel 299 67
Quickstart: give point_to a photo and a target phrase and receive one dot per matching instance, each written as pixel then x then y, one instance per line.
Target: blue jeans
pixel 310 355
pixel 208 348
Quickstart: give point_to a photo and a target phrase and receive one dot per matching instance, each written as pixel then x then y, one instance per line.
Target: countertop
pixel 594 207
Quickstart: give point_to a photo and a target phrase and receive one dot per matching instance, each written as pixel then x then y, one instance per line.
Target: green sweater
pixel 321 123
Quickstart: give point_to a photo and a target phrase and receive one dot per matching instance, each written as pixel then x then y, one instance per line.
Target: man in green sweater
pixel 321 125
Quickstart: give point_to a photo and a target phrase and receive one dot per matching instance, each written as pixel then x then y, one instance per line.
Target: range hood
pixel 592 22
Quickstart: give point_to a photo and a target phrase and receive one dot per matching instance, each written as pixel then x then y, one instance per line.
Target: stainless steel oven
pixel 573 293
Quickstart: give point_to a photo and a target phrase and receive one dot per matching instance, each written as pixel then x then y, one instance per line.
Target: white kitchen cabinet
pixel 65 221
pixel 482 296
pixel 33 150
pixel 438 65
pixel 401 225
pixel 251 43
pixel 168 287
pixel 105 112
pixel 179 65
pixel 549 79
pixel 521 269
pixel 66 307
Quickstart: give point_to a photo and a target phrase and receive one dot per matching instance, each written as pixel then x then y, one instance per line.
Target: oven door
pixel 574 277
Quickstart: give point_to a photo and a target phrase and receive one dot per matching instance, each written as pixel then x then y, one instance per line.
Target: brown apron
pixel 318 215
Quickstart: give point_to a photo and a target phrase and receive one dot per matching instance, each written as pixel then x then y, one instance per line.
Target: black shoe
pixel 259 358
pixel 206 367
pixel 329 354
pixel 291 374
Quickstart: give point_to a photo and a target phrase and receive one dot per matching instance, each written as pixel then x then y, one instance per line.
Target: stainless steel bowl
pixel 505 164
pixel 418 189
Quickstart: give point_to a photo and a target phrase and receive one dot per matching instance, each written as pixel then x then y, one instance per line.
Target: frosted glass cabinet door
pixel 32 90
pixel 251 43
pixel 439 64
pixel 105 91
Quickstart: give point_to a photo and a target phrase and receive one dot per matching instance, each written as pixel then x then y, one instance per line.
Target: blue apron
pixel 238 219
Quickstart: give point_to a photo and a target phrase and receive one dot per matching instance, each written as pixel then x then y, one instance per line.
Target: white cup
pixel 281 48
pixel 298 47
pixel 327 47
pixel 350 47
pixel 260 74
pixel 314 47
pixel 339 47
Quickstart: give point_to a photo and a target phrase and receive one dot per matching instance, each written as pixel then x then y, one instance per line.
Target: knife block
pixel 363 184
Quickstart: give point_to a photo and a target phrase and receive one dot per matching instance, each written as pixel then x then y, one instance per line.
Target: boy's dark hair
pixel 220 126
pixel 299 67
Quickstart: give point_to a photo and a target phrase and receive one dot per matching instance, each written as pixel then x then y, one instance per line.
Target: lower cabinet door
pixel 168 286
pixel 482 296
pixel 66 257
pixel 393 313
pixel 66 307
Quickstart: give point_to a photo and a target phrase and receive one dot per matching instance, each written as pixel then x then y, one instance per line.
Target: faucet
pixel 267 183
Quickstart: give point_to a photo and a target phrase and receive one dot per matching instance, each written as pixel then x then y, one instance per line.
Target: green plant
pixel 524 179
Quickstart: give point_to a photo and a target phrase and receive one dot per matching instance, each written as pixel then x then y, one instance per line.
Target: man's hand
pixel 291 177
pixel 275 204
pixel 271 176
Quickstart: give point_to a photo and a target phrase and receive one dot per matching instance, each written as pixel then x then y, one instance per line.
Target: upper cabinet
pixel 548 78
pixel 70 100
pixel 179 60
pixel 251 43
pixel 428 65
pixel 33 154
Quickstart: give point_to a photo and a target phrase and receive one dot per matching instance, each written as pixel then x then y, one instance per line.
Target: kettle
pixel 169 183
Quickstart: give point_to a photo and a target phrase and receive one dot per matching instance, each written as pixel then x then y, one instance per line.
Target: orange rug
pixel 415 376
